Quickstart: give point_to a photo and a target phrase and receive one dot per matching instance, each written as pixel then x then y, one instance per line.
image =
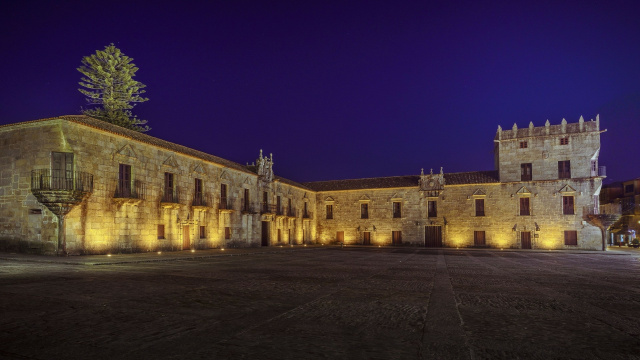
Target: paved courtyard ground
pixel 322 303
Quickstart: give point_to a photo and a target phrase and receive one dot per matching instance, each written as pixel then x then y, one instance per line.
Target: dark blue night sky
pixel 341 89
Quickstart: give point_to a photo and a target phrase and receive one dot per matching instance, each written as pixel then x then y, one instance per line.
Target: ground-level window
pixel 203 233
pixel 227 233
pixel 479 238
pixel 396 237
pixel 161 232
pixel 567 205
pixel 570 237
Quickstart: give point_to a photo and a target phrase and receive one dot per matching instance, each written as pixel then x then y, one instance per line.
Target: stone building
pixel 118 190
pixel 546 182
pixel 115 190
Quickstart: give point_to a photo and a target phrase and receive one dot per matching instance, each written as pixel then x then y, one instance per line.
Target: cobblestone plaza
pixel 322 302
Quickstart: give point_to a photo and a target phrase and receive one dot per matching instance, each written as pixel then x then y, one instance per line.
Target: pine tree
pixel 108 82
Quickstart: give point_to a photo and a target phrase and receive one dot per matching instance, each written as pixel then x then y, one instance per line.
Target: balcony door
pixel 124 181
pixel 62 170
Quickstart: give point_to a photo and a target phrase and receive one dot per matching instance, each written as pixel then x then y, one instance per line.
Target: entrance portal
pixel 366 238
pixel 433 236
pixel 525 238
pixel 186 242
pixel 265 233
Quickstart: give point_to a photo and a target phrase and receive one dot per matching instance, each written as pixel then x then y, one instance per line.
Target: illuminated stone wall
pixel 104 224
pixel 502 222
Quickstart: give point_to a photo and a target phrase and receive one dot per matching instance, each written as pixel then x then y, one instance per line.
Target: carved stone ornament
pixel 431 182
pixel 265 167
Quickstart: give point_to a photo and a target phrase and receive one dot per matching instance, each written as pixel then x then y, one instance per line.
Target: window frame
pixel 527 200
pixel 526 171
pixel 432 208
pixel 479 209
pixel 564 169
pixel 397 209
pixel 568 205
pixel 364 210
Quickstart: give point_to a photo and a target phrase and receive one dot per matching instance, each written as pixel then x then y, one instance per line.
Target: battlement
pixel 548 129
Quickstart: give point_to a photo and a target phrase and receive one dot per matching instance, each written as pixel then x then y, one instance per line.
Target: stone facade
pixel 151 195
pixel 552 170
pixel 143 217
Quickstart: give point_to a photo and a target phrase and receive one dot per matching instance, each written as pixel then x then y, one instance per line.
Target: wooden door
pixel 61 171
pixel 396 237
pixel 340 236
pixel 366 238
pixel 525 238
pixel 265 233
pixel 433 236
pixel 186 242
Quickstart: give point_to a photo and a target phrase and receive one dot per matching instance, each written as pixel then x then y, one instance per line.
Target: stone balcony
pixel 60 190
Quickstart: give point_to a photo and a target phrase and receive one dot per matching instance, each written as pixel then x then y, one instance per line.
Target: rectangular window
pixel 278 204
pixel 564 169
pixel 570 237
pixel 124 181
pixel 523 144
pixel 161 232
pixel 564 140
pixel 289 208
pixel 329 211
pixel 305 214
pixel 479 207
pixel 432 210
pixel 169 188
pixel 198 196
pixel 525 172
pixel 224 201
pixel 479 238
pixel 396 237
pixel 594 167
pixel 227 233
pixel 364 211
pixel 628 189
pixel 265 202
pixel 245 204
pixel 567 205
pixel 203 233
pixel 397 209
pixel 525 209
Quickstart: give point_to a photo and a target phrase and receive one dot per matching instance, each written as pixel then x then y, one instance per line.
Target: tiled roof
pixel 473 177
pixel 138 136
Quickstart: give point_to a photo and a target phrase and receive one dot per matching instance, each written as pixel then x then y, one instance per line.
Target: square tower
pixel 549 152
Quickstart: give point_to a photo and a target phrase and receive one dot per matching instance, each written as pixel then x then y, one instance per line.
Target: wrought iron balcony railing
pixel 126 190
pixel 268 209
pixel 225 204
pixel 61 180
pixel 171 196
pixel 199 199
